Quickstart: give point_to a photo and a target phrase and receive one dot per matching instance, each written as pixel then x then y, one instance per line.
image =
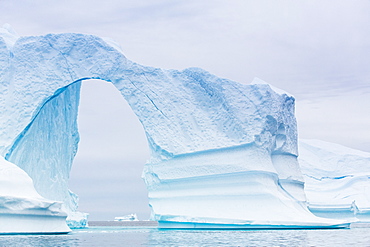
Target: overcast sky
pixel 318 50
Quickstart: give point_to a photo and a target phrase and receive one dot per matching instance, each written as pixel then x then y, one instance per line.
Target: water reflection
pixel 141 236
pixel 228 238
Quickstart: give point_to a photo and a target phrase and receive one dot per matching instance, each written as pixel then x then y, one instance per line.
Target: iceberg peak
pixel 9 35
pixel 258 81
pixel 113 43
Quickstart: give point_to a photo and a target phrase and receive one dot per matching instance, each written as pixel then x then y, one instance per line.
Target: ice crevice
pixel 65 59
pixel 146 95
pixel 322 178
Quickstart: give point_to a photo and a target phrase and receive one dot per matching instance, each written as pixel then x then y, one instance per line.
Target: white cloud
pixel 341 119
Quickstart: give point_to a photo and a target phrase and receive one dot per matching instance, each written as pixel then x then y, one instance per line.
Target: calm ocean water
pixel 151 236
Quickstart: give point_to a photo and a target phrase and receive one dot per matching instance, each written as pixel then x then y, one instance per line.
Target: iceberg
pixel 223 154
pixel 337 180
pixel 129 217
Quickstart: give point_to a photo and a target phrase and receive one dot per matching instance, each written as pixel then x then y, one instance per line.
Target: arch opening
pixel 106 172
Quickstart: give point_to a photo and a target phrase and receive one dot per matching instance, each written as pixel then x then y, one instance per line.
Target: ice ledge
pixel 250 225
pixel 341 211
pixel 33 224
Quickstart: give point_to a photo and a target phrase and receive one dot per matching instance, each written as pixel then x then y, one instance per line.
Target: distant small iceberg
pixel 129 217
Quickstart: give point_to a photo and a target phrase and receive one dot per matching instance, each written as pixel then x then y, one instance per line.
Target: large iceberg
pixel 337 180
pixel 223 154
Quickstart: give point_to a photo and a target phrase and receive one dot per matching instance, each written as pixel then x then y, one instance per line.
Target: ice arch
pixel 223 154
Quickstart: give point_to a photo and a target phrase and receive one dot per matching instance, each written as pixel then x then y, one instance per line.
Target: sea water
pixel 151 236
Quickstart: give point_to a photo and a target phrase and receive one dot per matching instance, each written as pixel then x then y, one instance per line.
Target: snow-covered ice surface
pixel 222 154
pixel 337 179
pixel 22 209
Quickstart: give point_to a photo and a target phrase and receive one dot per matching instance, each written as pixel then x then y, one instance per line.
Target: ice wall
pixel 50 144
pixel 221 152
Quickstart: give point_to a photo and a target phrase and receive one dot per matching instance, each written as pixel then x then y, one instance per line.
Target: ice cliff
pixel 223 154
pixel 337 179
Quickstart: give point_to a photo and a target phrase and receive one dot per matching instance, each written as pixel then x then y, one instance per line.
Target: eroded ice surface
pixel 337 179
pixel 222 153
